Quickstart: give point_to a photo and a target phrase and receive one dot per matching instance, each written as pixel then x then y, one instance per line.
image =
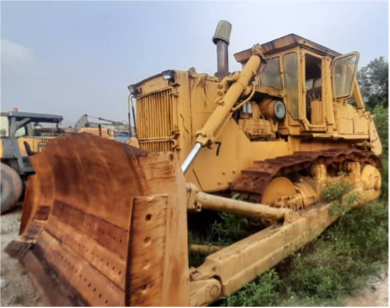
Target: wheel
pixel 371 177
pixel 11 187
pixel 278 187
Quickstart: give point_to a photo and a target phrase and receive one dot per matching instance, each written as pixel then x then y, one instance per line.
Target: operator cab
pixel 295 72
pixel 23 135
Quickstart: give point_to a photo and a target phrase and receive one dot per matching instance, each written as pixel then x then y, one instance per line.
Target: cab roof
pixel 287 42
pixel 35 117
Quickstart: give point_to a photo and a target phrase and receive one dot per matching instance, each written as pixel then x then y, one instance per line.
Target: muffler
pixel 221 39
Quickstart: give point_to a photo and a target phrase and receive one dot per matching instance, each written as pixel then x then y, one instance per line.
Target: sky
pixel 75 58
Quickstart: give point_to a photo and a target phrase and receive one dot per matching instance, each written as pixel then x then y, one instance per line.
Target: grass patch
pixel 222 229
pixel 336 190
pixel 262 292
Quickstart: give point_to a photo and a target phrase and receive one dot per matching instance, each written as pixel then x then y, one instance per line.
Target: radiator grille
pixel 156 121
pixel 162 146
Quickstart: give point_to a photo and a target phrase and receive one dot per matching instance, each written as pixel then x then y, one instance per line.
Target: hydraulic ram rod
pixel 190 158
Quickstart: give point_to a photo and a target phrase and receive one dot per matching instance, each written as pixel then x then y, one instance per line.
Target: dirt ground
pixel 17 288
pixel 376 294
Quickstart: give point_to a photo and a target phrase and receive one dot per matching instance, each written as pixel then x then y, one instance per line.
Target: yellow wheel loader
pixel 22 135
pixel 106 224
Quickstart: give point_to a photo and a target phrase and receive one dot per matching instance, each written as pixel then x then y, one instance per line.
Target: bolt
pixel 146 265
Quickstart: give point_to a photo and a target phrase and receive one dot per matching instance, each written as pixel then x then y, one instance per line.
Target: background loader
pixel 22 135
pixel 110 221
pixel 103 127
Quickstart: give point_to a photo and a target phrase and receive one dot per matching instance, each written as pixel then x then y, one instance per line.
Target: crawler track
pixel 254 180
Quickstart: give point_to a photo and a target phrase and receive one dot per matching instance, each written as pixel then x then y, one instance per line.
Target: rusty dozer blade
pixel 109 222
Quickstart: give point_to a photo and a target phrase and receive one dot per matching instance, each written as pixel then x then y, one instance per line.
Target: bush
pixel 385 183
pixel 381 119
pixel 262 292
pixel 335 190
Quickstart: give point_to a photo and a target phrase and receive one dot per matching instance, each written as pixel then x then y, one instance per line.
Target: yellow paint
pixel 236 152
pixel 376 145
pixel 103 132
pixel 223 109
pixel 37 144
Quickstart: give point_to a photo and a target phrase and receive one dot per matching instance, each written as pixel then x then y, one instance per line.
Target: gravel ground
pixel 17 289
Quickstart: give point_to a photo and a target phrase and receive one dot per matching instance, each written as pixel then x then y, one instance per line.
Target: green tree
pixel 388 86
pixel 374 82
pixel 381 118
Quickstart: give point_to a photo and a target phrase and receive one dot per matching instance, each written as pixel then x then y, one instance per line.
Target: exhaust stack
pixel 221 39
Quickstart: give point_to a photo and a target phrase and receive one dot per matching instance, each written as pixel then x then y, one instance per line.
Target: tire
pixel 11 187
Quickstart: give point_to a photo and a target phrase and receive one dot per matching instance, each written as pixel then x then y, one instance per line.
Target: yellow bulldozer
pixel 107 224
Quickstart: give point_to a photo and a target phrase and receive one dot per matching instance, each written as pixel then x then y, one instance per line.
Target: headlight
pixel 280 110
pixel 133 89
pixel 169 75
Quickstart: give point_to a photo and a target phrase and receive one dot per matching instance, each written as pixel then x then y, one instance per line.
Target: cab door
pixel 313 94
pixel 343 71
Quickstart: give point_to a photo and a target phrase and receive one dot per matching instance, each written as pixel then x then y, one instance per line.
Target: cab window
pixel 313 89
pixel 313 78
pixel 343 72
pixel 270 75
pixel 21 132
pixel 290 65
pixel 4 127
